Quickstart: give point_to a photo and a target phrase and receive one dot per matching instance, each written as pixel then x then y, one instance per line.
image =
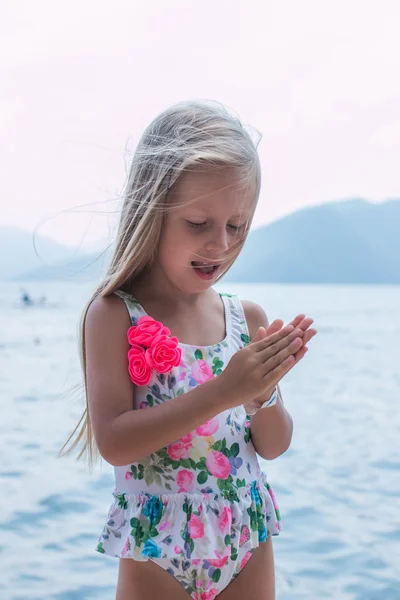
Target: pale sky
pixel 81 79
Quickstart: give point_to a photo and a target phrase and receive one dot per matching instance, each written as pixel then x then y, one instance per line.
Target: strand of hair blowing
pixel 184 136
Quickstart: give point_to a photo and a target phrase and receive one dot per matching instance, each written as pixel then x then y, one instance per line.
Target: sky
pixel 81 80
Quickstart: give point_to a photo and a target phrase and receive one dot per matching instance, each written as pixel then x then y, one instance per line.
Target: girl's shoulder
pixel 255 316
pixel 107 315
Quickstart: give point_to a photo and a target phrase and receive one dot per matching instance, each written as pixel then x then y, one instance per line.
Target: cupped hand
pixel 300 322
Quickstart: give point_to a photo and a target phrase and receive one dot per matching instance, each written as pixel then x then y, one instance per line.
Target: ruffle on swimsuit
pixel 192 526
pixel 203 496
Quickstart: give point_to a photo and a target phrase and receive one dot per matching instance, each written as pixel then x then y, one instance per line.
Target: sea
pixel 338 485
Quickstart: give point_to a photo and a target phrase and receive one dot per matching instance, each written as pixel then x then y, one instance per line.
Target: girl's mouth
pixel 205 270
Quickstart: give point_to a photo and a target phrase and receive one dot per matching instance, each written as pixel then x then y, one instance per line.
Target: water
pixel 338 485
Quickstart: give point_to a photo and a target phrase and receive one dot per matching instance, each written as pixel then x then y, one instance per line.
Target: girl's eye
pixel 195 225
pixel 236 227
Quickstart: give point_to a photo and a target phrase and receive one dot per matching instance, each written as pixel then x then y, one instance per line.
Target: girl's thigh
pixel 257 579
pixel 147 581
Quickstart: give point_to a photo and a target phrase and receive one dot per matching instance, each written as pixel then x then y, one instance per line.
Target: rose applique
pixel 152 349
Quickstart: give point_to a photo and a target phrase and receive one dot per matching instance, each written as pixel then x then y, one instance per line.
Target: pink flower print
pixel 143 404
pixel 211 594
pixel 185 480
pixel 271 493
pixel 164 526
pixel 196 561
pixel 163 354
pixel 128 475
pixel 218 464
pixel 225 520
pixel 196 527
pixel 245 559
pixel 178 550
pixel 244 535
pixel 201 371
pixel 126 548
pixel 208 428
pixel 186 439
pixel 146 330
pixel 139 370
pixel 221 559
pixel 181 448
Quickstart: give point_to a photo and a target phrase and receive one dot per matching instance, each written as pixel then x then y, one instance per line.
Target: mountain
pixel 352 241
pixel 24 255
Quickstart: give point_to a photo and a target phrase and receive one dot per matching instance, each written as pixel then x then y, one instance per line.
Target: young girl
pixel 172 370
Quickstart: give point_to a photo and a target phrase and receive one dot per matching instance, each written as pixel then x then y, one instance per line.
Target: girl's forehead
pixel 215 188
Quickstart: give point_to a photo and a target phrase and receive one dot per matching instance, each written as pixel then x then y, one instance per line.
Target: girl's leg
pixel 147 581
pixel 257 578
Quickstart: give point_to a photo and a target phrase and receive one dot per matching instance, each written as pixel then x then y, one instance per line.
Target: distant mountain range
pixel 353 241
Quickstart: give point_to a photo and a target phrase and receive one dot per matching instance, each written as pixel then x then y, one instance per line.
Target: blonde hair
pixel 184 136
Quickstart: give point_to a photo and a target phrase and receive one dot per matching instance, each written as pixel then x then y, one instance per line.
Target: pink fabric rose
pixel 185 480
pixel 225 520
pixel 201 371
pixel 208 428
pixel 163 354
pixel 139 369
pixel 146 329
pixel 196 527
pixel 218 464
pixel 245 559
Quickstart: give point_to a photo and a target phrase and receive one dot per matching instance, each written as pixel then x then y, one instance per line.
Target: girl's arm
pixel 122 434
pixel 272 427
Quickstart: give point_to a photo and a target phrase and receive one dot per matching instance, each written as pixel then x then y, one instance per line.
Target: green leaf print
pixel 218 446
pixel 216 576
pixel 234 554
pixel 150 400
pixel 240 483
pixel 198 354
pixel 100 548
pixel 217 366
pixel 185 462
pixel 175 464
pixel 202 477
pixel 245 338
pixel 180 392
pixel 134 471
pixel 246 435
pixel 149 475
pixel 227 540
pixel 193 463
pixel 235 449
pixel 122 502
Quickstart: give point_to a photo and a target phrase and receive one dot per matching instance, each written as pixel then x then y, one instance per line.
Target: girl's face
pixel 198 238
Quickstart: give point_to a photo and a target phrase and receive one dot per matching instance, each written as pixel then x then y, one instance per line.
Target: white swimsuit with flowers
pixel 202 501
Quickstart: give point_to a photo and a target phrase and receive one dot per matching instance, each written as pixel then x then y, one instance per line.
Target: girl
pixel 171 373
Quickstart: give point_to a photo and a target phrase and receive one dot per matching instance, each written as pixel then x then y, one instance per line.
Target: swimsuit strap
pixel 239 331
pixel 134 308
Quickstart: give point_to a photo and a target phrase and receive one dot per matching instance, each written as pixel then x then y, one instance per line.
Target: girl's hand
pixel 300 322
pixel 260 365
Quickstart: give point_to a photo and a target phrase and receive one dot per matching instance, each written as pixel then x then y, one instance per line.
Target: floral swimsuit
pixel 200 506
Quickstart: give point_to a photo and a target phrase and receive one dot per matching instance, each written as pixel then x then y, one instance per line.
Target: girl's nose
pixel 218 240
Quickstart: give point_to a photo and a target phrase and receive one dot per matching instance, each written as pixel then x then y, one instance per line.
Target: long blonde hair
pixel 186 135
